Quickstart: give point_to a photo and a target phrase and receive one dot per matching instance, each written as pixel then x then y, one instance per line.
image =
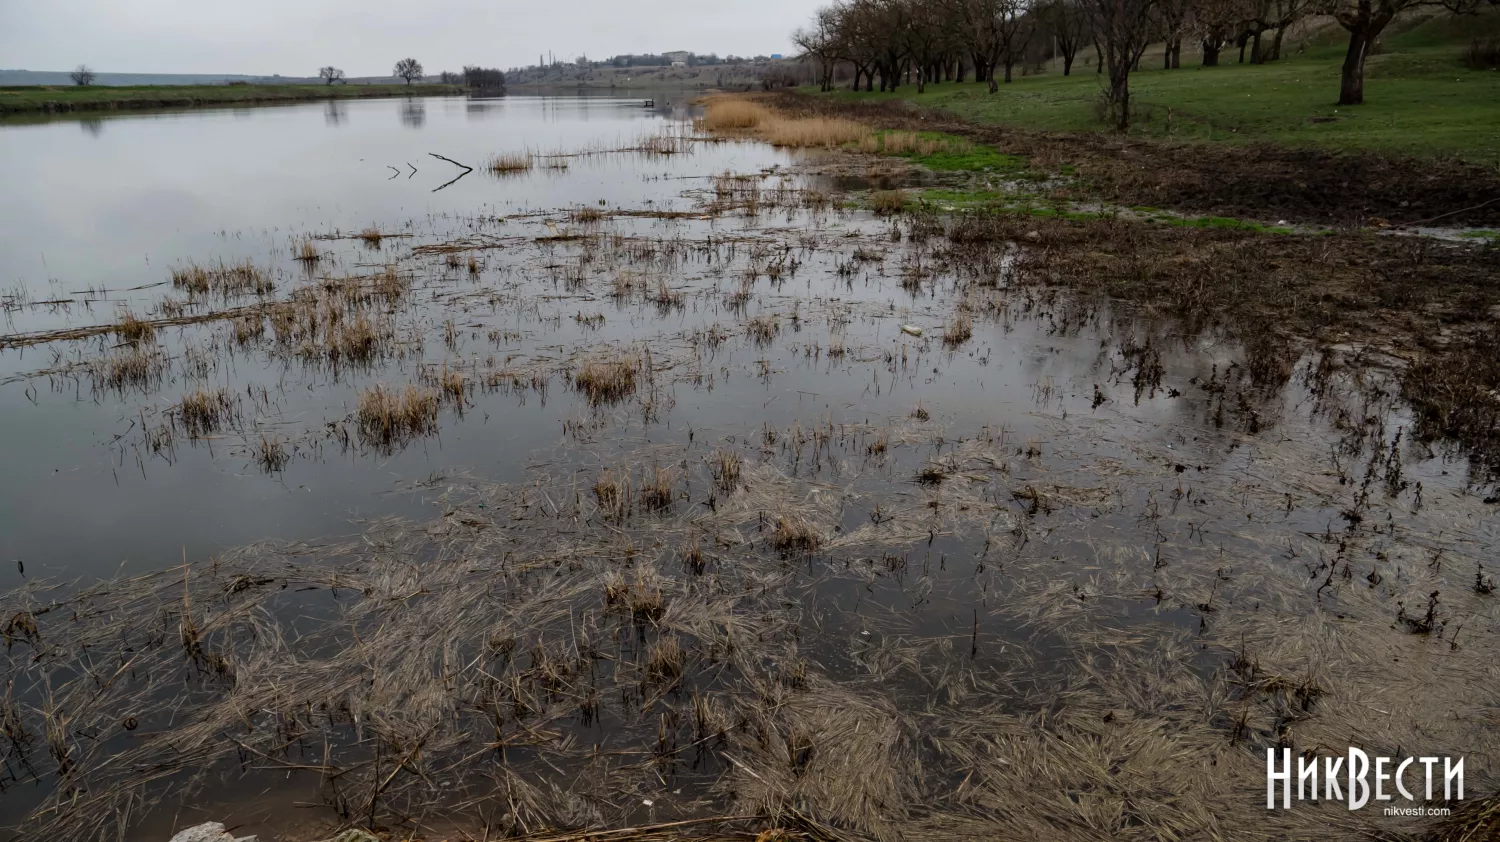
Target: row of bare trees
pixel 896 42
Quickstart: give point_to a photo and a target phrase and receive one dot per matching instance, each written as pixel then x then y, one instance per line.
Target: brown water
pixel 1078 512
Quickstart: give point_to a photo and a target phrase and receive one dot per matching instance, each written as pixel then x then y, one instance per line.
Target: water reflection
pixel 414 113
pixel 334 113
pixel 92 126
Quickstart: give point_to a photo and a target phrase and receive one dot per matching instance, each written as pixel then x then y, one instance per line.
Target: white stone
pixel 208 832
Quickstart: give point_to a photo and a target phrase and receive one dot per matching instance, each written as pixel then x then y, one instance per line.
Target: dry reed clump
pixel 887 202
pixel 510 162
pixel 387 417
pixel 201 411
pixel 912 143
pixel 248 328
pixel 451 383
pixel 795 536
pixel 656 490
pixel 666 660
pixel 763 329
pixel 133 329
pixel 371 236
pixel 664 297
pixel 732 113
pixel 610 379
pixel 131 366
pixel 726 466
pixel 694 560
pixel 613 495
pixel 332 320
pixel 306 251
pixel 664 144
pixel 271 454
pixel 243 278
pixel 813 132
pixel 641 598
pixel 737 115
pixel 958 331
pixel 586 215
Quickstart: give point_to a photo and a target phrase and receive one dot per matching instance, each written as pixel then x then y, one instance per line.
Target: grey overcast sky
pixel 366 37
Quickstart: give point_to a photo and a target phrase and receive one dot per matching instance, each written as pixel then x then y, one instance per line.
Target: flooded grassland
pixel 654 477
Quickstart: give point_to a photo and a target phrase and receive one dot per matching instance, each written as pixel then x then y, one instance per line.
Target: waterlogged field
pixel 640 479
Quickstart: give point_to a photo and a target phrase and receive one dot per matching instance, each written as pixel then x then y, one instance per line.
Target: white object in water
pixel 911 329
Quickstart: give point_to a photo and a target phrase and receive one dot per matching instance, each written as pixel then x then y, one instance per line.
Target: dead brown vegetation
pixel 389 417
pixel 610 379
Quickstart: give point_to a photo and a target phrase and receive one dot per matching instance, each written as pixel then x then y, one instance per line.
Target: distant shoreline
pixel 56 99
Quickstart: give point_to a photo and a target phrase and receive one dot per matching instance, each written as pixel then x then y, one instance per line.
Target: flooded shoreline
pixel 679 484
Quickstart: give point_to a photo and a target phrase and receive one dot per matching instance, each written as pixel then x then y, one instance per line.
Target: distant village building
pixel 775 55
pixel 678 57
pixel 679 64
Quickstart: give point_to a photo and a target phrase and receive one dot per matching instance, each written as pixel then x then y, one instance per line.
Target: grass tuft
pixel 387 417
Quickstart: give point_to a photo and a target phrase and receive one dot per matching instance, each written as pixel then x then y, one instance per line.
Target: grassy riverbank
pixel 1420 97
pixel 45 98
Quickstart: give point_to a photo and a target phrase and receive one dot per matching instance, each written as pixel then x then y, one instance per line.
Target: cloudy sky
pixel 366 37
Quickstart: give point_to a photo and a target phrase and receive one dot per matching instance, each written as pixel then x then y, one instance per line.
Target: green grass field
pixel 98 97
pixel 1420 99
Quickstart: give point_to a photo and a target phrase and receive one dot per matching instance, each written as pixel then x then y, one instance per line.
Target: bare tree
pixel 1069 22
pixel 330 74
pixel 82 76
pixel 1365 20
pixel 924 38
pixel 1124 28
pixel 820 42
pixel 1171 21
pixel 977 23
pixel 1015 27
pixel 408 69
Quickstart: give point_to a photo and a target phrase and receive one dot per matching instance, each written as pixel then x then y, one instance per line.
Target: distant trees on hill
pixel 922 42
pixel 484 78
pixel 330 74
pixel 82 76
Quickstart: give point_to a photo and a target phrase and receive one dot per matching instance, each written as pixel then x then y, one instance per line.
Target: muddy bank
pixel 1259 181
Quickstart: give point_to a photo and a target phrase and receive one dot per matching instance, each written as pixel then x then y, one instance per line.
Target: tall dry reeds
pixel 510 162
pixel 608 380
pixel 737 115
pixel 388 417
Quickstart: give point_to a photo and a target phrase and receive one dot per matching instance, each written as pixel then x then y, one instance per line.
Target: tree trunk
pixel 1119 96
pixel 1244 41
pixel 1211 52
pixel 1177 54
pixel 1255 53
pixel 1067 63
pixel 1276 44
pixel 1009 63
pixel 990 75
pixel 1352 81
pixel 1098 59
